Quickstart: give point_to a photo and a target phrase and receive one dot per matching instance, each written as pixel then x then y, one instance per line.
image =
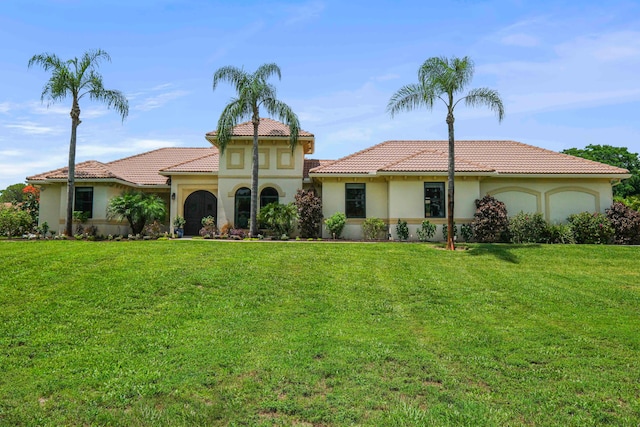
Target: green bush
pixel 138 208
pixel 402 230
pixel 560 233
pixel 209 228
pixel 591 228
pixel 528 228
pixel 445 231
pixel 426 231
pixel 490 222
pixel 278 219
pixel 335 224
pixel 374 228
pixel 467 232
pixel 14 222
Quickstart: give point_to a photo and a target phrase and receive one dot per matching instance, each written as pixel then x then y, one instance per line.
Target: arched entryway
pixel 197 206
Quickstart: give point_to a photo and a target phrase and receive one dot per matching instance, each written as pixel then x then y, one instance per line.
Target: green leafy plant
pixel 560 233
pixel 490 221
pixel 528 228
pixel 426 230
pixel 373 228
pixel 209 228
pixel 467 232
pixel 335 224
pixel 278 219
pixel 591 228
pixel 14 221
pixel 309 213
pixel 179 222
pixel 137 208
pixel 402 230
pixel 445 231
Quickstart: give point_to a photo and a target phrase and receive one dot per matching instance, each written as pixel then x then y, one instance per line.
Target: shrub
pixel 426 231
pixel 209 228
pixel 335 224
pixel 467 232
pixel 137 208
pixel 278 219
pixel 14 222
pixel 373 228
pixel 560 233
pixel 528 228
pixel 490 223
pixel 445 231
pixel 591 228
pixel 626 223
pixel 224 230
pixel 402 230
pixel 309 213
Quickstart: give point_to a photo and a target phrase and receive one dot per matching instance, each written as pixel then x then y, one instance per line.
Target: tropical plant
pixel 209 228
pixel 445 231
pixel 179 222
pixel 443 78
pixel 426 230
pixel 309 213
pixel 335 224
pixel 626 223
pixel 373 228
pixel 467 232
pixel 278 219
pixel 253 91
pixel 527 227
pixel 31 202
pixel 137 208
pixel 77 78
pixel 490 221
pixel 402 230
pixel 591 228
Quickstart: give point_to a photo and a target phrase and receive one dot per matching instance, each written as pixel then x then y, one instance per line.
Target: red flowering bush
pixel 626 223
pixel 490 223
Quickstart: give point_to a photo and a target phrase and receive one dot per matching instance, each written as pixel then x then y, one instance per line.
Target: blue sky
pixel 568 71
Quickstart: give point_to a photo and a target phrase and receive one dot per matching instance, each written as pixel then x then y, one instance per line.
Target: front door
pixel 197 206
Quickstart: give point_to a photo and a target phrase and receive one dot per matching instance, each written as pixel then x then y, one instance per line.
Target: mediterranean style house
pixel 392 180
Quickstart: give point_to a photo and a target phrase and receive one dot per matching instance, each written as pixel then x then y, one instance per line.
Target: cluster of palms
pixel 439 78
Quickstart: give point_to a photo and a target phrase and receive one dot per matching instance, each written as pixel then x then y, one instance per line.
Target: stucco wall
pixel 50 197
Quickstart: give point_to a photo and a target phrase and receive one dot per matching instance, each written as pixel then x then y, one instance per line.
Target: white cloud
pixel 11 153
pixel 520 39
pixel 304 12
pixel 5 107
pixel 32 128
pixel 160 100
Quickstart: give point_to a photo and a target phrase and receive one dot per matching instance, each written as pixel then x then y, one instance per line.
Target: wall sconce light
pixel 173 196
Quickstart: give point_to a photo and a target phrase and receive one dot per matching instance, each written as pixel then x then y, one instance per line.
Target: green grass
pixel 317 334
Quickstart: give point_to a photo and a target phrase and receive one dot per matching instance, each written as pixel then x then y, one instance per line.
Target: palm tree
pixel 253 92
pixel 443 78
pixel 76 78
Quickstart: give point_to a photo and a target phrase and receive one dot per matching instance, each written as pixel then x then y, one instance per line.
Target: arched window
pixel 243 207
pixel 268 195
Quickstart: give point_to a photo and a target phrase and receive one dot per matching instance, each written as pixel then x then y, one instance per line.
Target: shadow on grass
pixel 501 251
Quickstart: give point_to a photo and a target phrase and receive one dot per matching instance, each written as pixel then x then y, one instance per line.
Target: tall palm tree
pixel 252 92
pixel 443 78
pixel 76 78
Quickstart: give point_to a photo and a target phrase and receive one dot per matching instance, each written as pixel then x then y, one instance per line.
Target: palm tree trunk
pixel 253 227
pixel 75 121
pixel 450 191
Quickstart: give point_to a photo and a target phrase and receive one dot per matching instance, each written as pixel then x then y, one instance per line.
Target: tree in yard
pixel 252 91
pixel 614 156
pixel 309 213
pixel 138 208
pixel 77 78
pixel 441 78
pixel 13 193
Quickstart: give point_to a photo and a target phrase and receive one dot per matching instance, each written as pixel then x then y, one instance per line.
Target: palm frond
pixel 410 97
pixel 487 97
pixel 267 70
pixel 285 114
pixel 234 112
pixel 234 75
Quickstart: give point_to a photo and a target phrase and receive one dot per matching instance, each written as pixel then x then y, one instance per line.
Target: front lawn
pixel 317 334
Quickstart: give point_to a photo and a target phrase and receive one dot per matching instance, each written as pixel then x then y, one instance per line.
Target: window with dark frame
pixel 243 208
pixel 355 201
pixel 268 195
pixel 434 206
pixel 83 200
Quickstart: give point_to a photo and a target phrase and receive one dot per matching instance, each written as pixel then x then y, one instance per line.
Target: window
pixel 355 201
pixel 434 200
pixel 268 195
pixel 83 201
pixel 243 207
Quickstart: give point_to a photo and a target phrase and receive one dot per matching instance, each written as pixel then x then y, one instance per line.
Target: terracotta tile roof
pixel 502 157
pixel 313 163
pixel 141 169
pixel 207 164
pixel 267 127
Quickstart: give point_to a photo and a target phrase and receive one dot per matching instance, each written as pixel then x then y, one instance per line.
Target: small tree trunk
pixel 450 190
pixel 75 121
pixel 253 227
